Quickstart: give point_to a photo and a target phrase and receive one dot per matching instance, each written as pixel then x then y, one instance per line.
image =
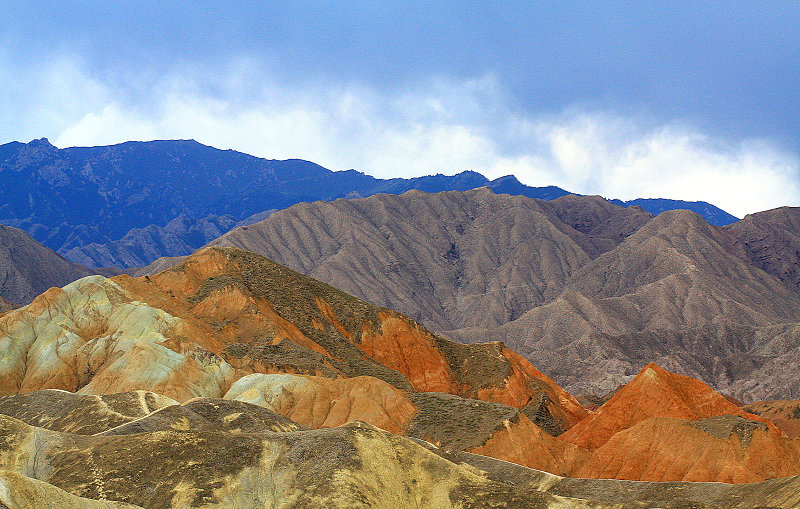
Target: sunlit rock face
pixel 193 330
pixel 667 427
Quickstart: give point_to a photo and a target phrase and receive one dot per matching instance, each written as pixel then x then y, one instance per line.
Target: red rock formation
pixel 224 313
pixel 785 414
pixel 654 392
pixel 526 444
pixel 726 448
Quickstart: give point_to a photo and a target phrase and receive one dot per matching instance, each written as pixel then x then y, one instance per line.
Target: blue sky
pixel 624 99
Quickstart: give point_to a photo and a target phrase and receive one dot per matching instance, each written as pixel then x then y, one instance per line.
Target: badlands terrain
pixel 233 381
pixel 588 291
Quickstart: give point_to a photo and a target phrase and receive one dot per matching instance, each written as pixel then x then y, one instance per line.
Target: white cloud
pixel 438 126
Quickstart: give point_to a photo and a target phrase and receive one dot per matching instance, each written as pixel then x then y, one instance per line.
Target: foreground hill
pixel 27 268
pixel 352 466
pixel 223 313
pixel 228 453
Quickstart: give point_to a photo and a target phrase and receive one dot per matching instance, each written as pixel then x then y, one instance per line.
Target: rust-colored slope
pixel 724 448
pixel 785 414
pixel 224 313
pixel 654 392
pixel 251 294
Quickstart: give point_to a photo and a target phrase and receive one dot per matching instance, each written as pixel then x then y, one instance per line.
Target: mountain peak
pixel 41 142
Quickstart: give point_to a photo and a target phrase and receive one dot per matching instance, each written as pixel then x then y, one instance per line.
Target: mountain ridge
pixel 91 203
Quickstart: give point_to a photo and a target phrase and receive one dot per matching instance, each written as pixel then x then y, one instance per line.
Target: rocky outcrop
pixel 667 427
pixel 95 338
pixel 725 448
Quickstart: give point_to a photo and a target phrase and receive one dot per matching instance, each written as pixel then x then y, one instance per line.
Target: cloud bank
pixel 439 125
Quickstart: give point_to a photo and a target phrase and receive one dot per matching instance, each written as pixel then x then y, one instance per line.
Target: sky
pixel 684 100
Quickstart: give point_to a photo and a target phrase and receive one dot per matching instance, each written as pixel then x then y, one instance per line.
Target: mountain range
pixel 126 205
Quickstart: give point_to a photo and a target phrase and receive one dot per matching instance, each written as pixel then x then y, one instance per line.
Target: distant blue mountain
pixel 714 215
pixel 81 196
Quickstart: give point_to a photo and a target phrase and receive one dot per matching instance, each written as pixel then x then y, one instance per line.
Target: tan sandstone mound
pixel 320 402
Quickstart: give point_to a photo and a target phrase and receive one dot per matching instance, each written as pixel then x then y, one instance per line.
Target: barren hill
pixel 588 290
pixel 27 268
pixel 197 464
pixel 679 292
pixel 451 259
pixel 223 313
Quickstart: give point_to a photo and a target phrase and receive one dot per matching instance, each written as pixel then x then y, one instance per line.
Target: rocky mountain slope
pixel 678 292
pixel 140 246
pixel 451 259
pixel 115 205
pixel 772 242
pixel 27 268
pixel 91 203
pixel 587 290
pixel 714 215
